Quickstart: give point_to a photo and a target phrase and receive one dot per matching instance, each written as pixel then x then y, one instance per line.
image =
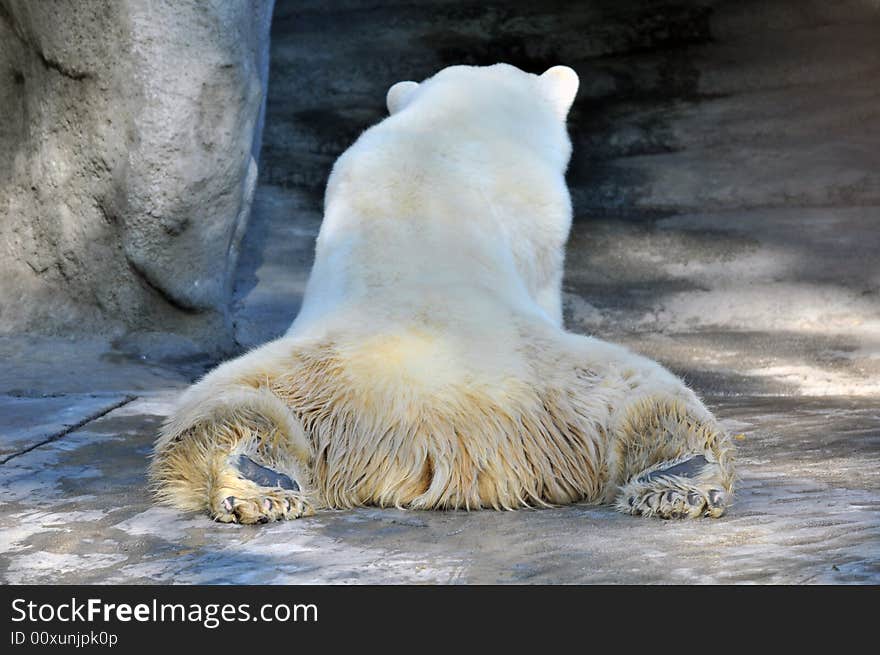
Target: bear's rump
pixel 388 429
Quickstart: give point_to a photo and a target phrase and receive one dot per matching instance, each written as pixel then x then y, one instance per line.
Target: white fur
pixel 428 366
pixel 449 220
pixel 460 191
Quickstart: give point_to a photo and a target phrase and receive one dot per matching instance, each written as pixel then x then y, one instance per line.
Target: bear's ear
pixel 560 83
pixel 399 95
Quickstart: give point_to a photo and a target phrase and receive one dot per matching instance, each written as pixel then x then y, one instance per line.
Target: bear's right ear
pixel 560 84
pixel 399 95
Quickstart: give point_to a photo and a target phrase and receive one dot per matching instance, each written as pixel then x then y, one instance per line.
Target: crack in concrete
pixel 61 433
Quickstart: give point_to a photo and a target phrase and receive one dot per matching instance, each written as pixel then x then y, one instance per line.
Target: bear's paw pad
pixel 263 475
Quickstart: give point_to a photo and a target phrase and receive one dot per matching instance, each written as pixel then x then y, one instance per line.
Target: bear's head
pixel 466 177
pixel 501 98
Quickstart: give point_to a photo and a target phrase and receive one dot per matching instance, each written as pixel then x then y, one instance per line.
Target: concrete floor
pixel 79 417
pixel 75 510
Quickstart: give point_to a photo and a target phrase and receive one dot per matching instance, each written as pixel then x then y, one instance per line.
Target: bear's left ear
pixel 399 95
pixel 560 83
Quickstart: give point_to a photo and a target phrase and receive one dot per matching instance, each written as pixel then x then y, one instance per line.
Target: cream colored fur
pixel 428 367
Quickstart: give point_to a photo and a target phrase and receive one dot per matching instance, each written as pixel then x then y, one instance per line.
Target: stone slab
pixel 26 422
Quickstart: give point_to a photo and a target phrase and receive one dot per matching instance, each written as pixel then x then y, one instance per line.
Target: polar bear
pixel 428 367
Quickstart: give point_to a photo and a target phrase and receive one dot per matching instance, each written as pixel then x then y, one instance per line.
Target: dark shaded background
pixel 648 69
pixel 725 175
pixel 333 62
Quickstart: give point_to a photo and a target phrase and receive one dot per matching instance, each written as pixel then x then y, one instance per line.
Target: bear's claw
pixel 684 489
pixel 270 505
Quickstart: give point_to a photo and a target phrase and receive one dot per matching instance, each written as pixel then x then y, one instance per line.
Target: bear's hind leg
pixel 674 465
pixel 242 458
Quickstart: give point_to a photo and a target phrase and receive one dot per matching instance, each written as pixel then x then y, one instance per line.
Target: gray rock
pixel 130 133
